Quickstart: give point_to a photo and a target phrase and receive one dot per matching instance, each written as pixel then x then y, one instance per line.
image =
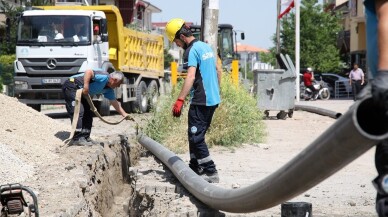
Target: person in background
pixel 308 78
pixel 91 82
pixel 356 80
pixel 53 30
pixel 376 12
pixel 203 81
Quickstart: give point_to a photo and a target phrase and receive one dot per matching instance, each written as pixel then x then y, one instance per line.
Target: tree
pixel 8 39
pixel 268 57
pixel 8 43
pixel 318 37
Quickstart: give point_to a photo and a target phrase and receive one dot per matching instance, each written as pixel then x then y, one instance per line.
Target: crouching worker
pixel 91 82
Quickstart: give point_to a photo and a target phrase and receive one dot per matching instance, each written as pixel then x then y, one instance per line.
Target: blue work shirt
pixel 206 90
pixel 97 85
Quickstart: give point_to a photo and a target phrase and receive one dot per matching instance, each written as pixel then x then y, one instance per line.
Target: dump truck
pixel 56 42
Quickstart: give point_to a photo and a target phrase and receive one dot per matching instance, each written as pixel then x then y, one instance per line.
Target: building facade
pixel 352 38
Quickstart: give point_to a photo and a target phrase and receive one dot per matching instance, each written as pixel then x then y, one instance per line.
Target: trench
pixel 109 192
pixel 122 184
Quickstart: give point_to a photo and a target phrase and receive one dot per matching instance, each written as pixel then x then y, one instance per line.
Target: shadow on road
pixel 63 114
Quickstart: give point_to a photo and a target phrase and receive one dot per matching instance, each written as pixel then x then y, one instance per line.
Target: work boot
pixel 196 169
pixel 211 177
pixel 81 142
pixel 93 141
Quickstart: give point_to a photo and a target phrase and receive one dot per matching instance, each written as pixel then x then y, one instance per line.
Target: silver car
pixel 337 81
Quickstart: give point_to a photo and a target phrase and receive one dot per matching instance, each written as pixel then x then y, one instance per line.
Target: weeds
pixel 237 120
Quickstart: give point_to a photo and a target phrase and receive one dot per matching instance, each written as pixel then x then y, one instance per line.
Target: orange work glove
pixel 177 108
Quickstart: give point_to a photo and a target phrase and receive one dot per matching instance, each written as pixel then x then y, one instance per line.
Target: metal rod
pixel 349 137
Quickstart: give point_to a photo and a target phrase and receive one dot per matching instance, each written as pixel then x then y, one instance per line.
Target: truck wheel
pixel 140 105
pixel 127 106
pixel 104 107
pixel 153 94
pixel 37 107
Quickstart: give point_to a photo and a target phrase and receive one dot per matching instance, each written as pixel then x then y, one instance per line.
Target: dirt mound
pixel 28 139
pixel 68 181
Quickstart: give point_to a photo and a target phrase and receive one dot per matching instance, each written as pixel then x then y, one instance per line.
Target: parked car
pixel 342 82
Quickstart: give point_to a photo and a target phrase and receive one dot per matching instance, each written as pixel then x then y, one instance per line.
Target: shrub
pixel 6 70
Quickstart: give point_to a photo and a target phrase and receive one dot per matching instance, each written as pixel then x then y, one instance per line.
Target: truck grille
pixel 40 67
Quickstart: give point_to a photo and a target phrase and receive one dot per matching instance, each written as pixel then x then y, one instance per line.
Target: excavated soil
pixel 68 181
pixel 95 181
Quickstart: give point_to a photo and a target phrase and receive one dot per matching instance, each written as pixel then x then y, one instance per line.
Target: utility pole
pixel 278 28
pixel 297 47
pixel 278 31
pixel 209 23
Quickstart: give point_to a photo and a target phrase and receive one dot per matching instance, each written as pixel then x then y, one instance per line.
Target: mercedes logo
pixel 51 63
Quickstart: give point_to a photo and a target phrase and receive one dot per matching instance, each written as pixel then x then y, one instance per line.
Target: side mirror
pixel 242 36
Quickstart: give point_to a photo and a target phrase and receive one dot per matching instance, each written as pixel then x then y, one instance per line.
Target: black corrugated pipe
pixel 317 110
pixel 359 129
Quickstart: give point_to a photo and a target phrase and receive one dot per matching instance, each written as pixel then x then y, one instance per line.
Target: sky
pixel 257 18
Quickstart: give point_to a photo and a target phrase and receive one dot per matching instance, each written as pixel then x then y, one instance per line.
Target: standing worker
pixel 91 82
pixel 377 38
pixel 356 80
pixel 203 81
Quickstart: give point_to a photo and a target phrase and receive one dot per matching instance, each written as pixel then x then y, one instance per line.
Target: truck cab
pixel 53 45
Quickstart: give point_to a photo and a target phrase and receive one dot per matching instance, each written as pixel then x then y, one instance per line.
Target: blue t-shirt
pixel 371 36
pixel 97 85
pixel 206 90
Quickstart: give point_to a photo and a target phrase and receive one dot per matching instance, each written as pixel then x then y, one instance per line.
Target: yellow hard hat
pixel 172 27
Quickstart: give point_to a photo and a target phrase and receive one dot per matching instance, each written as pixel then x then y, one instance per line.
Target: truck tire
pixel 127 106
pixel 37 107
pixel 153 94
pixel 104 107
pixel 140 105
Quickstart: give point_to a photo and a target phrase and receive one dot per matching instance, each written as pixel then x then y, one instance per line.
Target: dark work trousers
pixel 85 119
pixel 315 91
pixel 200 118
pixel 381 160
pixel 356 88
